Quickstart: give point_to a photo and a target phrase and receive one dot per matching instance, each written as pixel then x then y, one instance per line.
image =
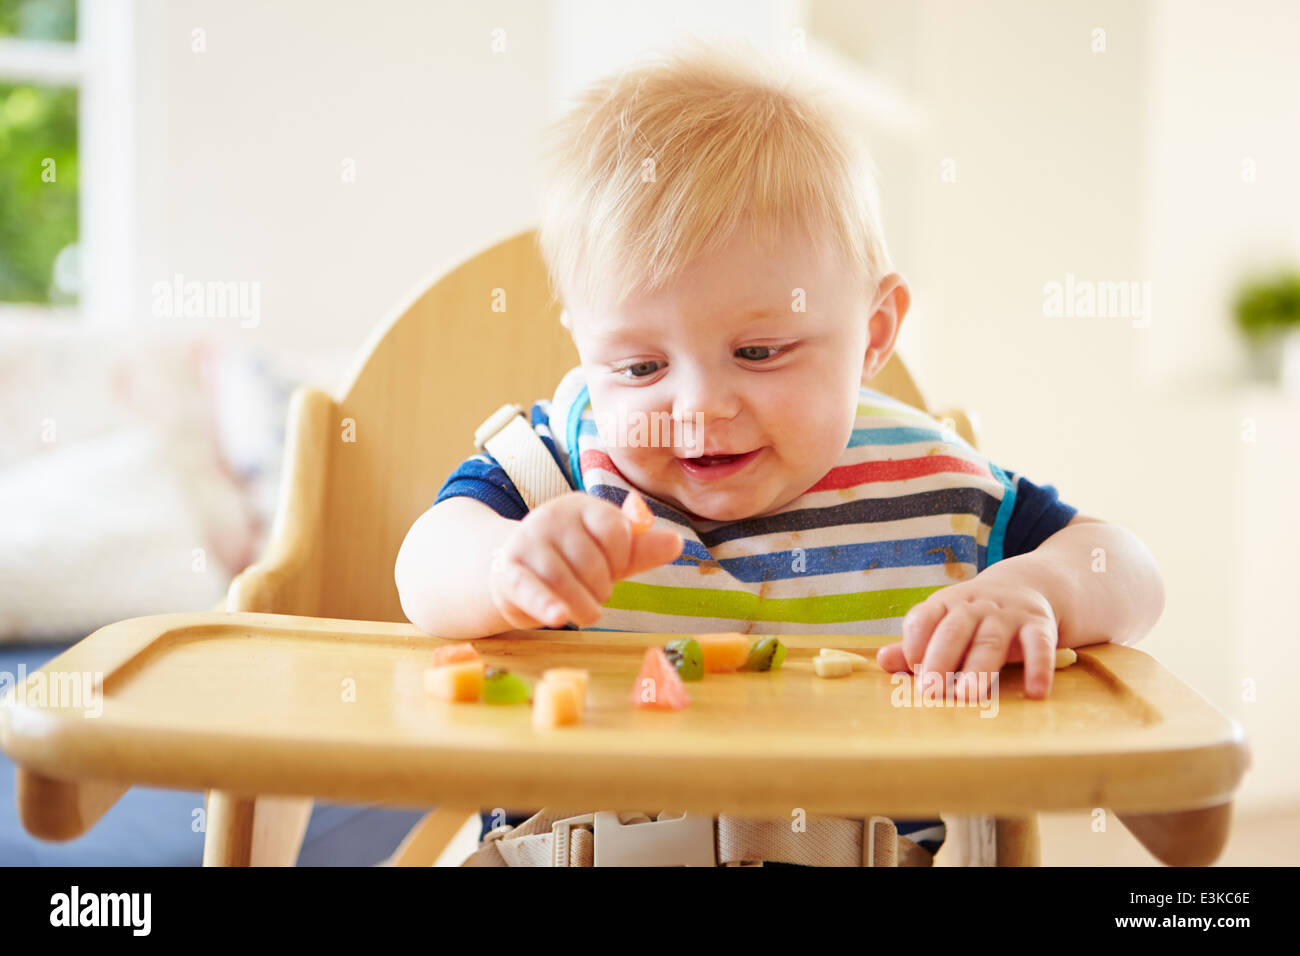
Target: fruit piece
pixel 451 653
pixel 1065 656
pixel 765 654
pixel 832 666
pixel 575 674
pixel 687 656
pixel 502 687
pixel 724 652
pixel 461 681
pixel 556 704
pixel 859 662
pixel 658 685
pixel 636 511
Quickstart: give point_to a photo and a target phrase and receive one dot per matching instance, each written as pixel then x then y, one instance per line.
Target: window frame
pixel 100 66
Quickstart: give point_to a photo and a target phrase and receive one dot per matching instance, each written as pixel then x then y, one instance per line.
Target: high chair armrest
pixel 964 423
pixel 287 578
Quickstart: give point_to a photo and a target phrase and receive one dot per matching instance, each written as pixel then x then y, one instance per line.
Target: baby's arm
pixel 464 571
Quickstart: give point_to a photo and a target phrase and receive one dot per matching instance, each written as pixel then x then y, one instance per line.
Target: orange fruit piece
pixel 575 674
pixel 556 704
pixel 461 681
pixel 724 653
pixel 636 511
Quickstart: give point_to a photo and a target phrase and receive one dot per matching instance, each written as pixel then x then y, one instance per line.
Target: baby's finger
pixel 653 548
pixel 528 602
pixel 1039 647
pixel 612 534
pixel 891 657
pixel 918 624
pixel 988 651
pixel 554 570
pixel 587 560
pixel 948 643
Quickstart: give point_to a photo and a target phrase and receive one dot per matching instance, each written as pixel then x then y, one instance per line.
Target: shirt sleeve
pixel 482 478
pixel 1037 515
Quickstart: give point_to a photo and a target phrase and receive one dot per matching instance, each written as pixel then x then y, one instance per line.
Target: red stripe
pixel 846 476
pixel 595 458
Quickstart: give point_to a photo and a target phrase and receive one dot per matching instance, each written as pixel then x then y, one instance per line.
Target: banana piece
pixel 1065 656
pixel 828 666
pixel 858 662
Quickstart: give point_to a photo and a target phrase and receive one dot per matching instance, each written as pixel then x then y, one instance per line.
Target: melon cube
pixel 451 653
pixel 724 653
pixel 556 704
pixel 576 674
pixel 461 681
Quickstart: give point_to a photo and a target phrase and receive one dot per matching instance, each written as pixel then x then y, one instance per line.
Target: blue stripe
pixel 836 559
pixel 571 429
pixel 999 533
pixel 893 436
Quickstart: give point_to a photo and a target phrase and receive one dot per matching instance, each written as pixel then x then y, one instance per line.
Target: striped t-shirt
pixel 909 508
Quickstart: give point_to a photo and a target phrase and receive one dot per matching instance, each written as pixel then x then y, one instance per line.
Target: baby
pixel 713 233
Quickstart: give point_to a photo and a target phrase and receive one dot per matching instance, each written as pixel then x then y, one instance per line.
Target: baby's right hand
pixel 561 563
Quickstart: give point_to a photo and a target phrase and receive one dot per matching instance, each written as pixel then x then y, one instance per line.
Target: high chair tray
pixel 336 709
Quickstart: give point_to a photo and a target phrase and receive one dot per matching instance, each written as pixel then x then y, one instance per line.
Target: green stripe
pixel 888 412
pixel 746 606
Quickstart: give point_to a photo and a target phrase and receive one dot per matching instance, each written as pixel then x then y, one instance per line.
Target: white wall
pixel 245 144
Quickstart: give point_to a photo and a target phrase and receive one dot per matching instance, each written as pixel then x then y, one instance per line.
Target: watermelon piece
pixel 658 686
pixel 452 653
pixel 638 513
pixel 724 653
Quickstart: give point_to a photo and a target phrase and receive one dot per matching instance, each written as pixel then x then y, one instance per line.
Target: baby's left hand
pixel 977 626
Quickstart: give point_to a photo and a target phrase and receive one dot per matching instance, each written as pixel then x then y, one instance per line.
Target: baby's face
pixel 773 389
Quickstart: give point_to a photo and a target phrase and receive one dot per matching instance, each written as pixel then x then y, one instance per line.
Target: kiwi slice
pixel 687 656
pixel 765 654
pixel 502 687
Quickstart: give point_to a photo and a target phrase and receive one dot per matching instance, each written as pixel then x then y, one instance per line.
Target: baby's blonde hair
pixel 656 165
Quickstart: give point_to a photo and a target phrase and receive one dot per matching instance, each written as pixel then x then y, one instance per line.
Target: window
pixel 39 92
pixel 65 157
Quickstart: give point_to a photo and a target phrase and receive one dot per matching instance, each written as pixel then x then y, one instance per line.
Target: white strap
pixel 509 438
pixel 825 841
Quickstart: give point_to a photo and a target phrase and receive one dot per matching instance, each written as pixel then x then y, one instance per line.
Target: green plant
pixel 1268 306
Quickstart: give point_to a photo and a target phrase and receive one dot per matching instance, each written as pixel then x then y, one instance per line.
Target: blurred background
pixel 330 159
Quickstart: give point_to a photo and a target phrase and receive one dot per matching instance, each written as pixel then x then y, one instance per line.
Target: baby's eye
pixel 641 369
pixel 770 350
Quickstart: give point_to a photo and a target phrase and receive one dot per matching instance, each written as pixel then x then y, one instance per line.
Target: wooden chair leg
pixel 446 830
pixel 1182 838
pixel 254 831
pixel 1018 842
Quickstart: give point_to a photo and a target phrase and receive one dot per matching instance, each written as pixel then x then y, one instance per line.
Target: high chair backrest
pixel 361 468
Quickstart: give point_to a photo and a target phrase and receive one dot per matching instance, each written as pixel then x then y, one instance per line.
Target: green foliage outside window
pixel 38 165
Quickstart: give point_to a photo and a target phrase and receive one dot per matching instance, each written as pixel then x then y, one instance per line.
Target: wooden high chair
pixel 252 704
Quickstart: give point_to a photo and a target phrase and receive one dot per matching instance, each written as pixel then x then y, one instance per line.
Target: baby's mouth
pixel 717 466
